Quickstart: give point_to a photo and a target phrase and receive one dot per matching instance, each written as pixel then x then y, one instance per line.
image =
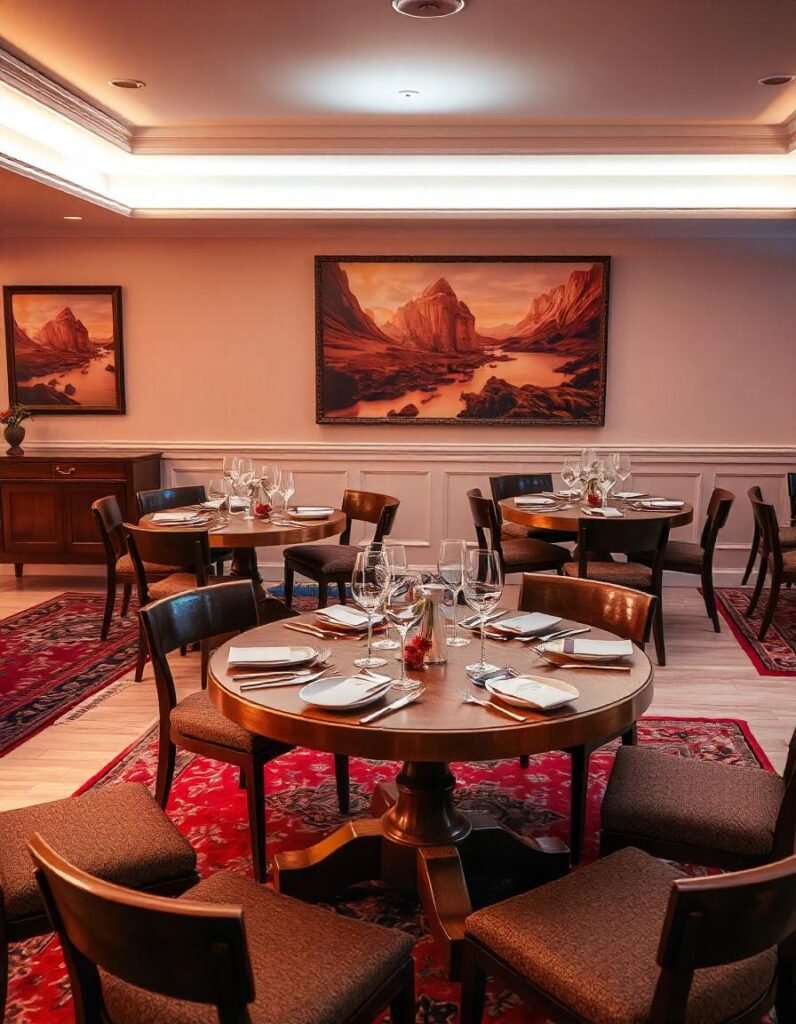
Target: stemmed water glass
pixel 451 561
pixel 270 478
pixel 396 561
pixel 606 478
pixel 622 465
pixel 229 467
pixel 570 473
pixel 370 582
pixel 404 606
pixel 483 589
pixel 216 491
pixel 287 488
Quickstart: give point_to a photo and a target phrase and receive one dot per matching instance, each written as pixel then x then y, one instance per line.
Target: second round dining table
pixel 569 517
pixel 416 838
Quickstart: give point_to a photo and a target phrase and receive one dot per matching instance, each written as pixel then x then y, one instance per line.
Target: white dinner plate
pixel 308 512
pixel 661 504
pixel 531 683
pixel 269 657
pixel 527 624
pixel 590 650
pixel 335 693
pixel 535 501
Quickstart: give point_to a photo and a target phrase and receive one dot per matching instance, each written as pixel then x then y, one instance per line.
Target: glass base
pixel 385 645
pixel 479 668
pixel 370 662
pixel 408 685
pixel 458 641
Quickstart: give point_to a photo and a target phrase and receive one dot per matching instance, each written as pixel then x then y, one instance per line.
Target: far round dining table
pixel 416 839
pixel 244 536
pixel 569 517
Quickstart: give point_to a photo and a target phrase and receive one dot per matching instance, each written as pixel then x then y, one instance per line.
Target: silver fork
pixel 468 698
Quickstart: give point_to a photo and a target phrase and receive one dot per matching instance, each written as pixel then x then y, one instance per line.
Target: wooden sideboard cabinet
pixel 46 496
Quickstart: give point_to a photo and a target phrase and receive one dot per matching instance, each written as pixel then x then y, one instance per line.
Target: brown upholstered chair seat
pixel 681 552
pixel 328 559
pixel 197 718
pixel 531 550
pixel 789 561
pixel 513 531
pixel 590 940
pixel 626 574
pixel 657 796
pixel 124 567
pixel 310 966
pixel 176 583
pixel 116 832
pixel 787 536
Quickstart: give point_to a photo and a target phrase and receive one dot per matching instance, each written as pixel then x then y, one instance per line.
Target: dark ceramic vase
pixel 15 435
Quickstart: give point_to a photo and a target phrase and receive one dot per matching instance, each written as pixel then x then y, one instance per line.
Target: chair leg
pixel 710 599
pixel 127 593
pixel 3 975
pixel 289 574
pixel 578 800
pixel 630 738
pixel 205 662
pixel 761 579
pixel 218 563
pixel 141 662
pixel 255 792
pixel 525 761
pixel 786 983
pixel 771 607
pixel 242 778
pixel 473 988
pixel 110 601
pixel 657 632
pixel 323 593
pixel 342 780
pixel 167 755
pixel 403 1007
pixel 752 556
pixel 341 594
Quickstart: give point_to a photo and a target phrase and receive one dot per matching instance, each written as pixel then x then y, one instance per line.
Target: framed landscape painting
pixel 462 339
pixel 64 348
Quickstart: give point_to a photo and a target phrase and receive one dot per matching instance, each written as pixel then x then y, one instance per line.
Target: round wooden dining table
pixel 244 536
pixel 416 838
pixel 568 518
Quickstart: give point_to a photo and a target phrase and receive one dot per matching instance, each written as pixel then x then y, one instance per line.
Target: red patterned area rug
pixel 52 659
pixel 776 655
pixel 210 810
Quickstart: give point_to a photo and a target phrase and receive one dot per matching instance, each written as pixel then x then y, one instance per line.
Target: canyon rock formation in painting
pixel 429 356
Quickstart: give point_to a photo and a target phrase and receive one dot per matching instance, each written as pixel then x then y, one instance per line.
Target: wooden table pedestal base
pixel 418 842
pixel 244 567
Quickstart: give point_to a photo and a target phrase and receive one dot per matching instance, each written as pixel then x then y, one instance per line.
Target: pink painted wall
pixel 219 331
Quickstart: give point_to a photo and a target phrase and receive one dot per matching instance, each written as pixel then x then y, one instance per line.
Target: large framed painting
pixel 462 339
pixel 64 348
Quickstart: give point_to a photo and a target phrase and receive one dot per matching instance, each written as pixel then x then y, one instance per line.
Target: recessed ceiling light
pixel 776 80
pixel 128 83
pixel 72 216
pixel 428 8
pixel 409 93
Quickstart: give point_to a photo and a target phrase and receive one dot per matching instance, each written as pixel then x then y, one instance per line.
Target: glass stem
pixel 370 635
pixel 402 635
pixel 483 638
pixel 456 612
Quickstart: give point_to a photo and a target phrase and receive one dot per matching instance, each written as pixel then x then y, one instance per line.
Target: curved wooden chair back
pixel 785 828
pixel 719 920
pixel 108 516
pixel 189 548
pixel 628 613
pixel 485 520
pixel 792 497
pixel 624 536
pixel 189 618
pixel 768 527
pixel 163 498
pixel 175 948
pixel 718 511
pixel 369 507
pixel 510 485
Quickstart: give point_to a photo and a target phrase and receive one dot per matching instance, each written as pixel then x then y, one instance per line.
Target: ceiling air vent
pixel 428 8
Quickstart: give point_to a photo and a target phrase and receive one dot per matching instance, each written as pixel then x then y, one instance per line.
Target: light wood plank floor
pixel 707 675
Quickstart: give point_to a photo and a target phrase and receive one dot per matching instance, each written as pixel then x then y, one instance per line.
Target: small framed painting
pixel 64 348
pixel 510 340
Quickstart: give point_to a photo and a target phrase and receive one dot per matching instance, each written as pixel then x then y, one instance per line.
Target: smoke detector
pixel 428 8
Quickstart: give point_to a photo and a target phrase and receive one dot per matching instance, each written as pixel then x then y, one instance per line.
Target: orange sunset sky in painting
pixel 31 312
pixel 497 293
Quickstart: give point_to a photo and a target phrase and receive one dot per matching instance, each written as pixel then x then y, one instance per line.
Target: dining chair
pixel 228 951
pixel 117 832
pixel 782 563
pixel 187 548
pixel 620 610
pixel 161 499
pixel 699 812
pixel 193 723
pixel 513 485
pixel 787 534
pixel 630 939
pixel 697 559
pixel 334 563
pixel 516 554
pixel 631 537
pixel 118 564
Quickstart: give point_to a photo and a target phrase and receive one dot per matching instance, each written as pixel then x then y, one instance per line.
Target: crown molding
pixel 33 83
pixel 789 128
pixel 71 188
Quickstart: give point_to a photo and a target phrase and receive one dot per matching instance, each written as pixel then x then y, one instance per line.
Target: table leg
pixel 244 567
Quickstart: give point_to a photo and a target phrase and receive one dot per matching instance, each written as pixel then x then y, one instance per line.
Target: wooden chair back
pixel 718 920
pixel 718 511
pixel 108 516
pixel 189 618
pixel 174 948
pixel 510 485
pixel 628 613
pixel 624 536
pixel 163 498
pixel 485 520
pixel 792 497
pixel 785 828
pixel 188 548
pixel 768 527
pixel 369 507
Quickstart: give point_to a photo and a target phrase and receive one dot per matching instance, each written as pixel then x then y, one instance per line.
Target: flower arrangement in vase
pixel 14 433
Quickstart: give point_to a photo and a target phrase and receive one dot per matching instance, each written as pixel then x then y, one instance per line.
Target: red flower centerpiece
pixel 415 652
pixel 262 510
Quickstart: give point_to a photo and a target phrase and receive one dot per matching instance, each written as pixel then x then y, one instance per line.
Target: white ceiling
pixel 552 62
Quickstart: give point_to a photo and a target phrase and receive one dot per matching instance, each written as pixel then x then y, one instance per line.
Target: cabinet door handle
pixel 65 472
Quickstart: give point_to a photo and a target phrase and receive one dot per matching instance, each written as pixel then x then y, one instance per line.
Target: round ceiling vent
pixel 428 8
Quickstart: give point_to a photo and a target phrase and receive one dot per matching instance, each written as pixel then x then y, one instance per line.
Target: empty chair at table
pixel 117 832
pixel 513 485
pixel 516 554
pixel 162 499
pixel 334 563
pixel 631 537
pixel 631 940
pixel 628 614
pixel 787 534
pixel 228 951
pixel 773 557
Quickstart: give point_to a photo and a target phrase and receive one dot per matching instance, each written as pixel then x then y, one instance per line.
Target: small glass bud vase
pixel 432 625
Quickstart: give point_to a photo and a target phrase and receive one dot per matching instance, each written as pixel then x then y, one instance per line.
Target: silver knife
pixel 395 706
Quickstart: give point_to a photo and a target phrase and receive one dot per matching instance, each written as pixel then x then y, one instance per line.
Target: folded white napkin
pixel 177 517
pixel 599 648
pixel 606 513
pixel 532 500
pixel 214 503
pixel 630 494
pixel 533 691
pixel 258 655
pixel 305 510
pixel 343 616
pixel 567 494
pixel 527 624
pixel 663 503
pixel 348 691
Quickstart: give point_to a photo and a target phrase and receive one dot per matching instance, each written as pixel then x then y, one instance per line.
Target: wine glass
pixel 370 582
pixel 396 562
pixel 270 476
pixel 287 488
pixel 245 473
pixel 229 468
pixel 452 556
pixel 404 609
pixel 235 505
pixel 622 465
pixel 570 472
pixel 606 478
pixel 216 492
pixel 483 589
